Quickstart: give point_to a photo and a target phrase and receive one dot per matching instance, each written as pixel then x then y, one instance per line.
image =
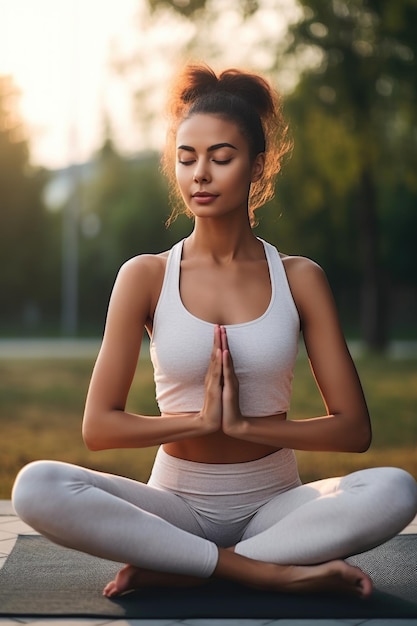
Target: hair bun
pixel 252 88
pixel 199 80
pixel 194 82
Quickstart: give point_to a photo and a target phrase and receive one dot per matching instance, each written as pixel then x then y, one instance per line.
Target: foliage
pixel 128 200
pixel 23 230
pixel 191 8
pixel 353 114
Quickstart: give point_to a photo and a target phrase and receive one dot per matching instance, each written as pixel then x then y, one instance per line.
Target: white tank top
pixel 264 350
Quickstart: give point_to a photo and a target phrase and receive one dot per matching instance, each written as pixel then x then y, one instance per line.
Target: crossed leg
pixel 156 533
pixel 305 532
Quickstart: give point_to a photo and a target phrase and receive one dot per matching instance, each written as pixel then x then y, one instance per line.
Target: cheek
pixel 180 176
pixel 239 177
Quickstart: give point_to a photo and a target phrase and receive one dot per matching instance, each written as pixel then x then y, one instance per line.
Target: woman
pixel 223 310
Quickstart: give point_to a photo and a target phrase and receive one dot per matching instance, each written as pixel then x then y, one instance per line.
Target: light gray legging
pixel 176 521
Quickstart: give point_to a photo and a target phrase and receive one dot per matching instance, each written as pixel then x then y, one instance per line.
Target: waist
pixel 218 448
pixel 262 477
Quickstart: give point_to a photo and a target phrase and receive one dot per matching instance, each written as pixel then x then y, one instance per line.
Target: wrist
pixel 205 426
pixel 236 427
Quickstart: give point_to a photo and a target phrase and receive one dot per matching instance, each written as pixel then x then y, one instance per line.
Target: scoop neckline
pixel 240 324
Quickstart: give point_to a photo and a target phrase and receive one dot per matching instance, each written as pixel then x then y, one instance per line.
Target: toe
pixel 110 589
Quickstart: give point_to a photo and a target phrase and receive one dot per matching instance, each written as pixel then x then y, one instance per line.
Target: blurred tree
pixel 125 209
pixel 364 88
pixel 187 7
pixel 22 218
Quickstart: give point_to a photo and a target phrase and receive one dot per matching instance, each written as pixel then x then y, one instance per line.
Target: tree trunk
pixel 373 302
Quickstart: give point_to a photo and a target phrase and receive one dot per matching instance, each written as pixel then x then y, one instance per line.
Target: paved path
pixel 48 348
pixel 88 348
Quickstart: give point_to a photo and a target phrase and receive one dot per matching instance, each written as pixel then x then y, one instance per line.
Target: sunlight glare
pixel 58 54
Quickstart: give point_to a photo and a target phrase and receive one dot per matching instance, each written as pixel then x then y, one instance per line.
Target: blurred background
pixel 82 92
pixel 82 89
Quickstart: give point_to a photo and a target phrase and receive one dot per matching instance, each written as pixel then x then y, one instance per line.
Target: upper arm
pixel 329 356
pixel 130 307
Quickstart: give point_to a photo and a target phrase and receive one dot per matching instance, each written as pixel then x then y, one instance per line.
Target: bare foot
pixel 333 576
pixel 130 577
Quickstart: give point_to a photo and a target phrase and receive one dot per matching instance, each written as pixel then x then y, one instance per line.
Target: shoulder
pixel 145 263
pixel 139 281
pixel 308 283
pixel 299 268
pixel 300 265
pixel 303 273
pixel 143 267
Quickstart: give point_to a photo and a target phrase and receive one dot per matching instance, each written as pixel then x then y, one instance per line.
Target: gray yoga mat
pixel 42 579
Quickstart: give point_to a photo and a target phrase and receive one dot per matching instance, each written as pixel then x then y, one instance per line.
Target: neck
pixel 221 241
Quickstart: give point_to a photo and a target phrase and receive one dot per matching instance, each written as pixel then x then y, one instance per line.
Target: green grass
pixel 41 405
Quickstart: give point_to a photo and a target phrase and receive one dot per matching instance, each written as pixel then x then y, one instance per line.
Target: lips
pixel 204 197
pixel 203 194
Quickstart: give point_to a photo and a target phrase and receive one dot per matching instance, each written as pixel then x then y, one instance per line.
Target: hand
pixel 211 413
pixel 231 414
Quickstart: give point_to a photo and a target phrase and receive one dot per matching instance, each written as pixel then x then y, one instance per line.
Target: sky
pixel 58 52
pixel 61 55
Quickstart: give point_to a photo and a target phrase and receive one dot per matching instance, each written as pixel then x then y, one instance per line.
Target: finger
pixel 230 394
pixel 229 373
pixel 216 364
pixel 216 343
pixel 223 338
pixel 225 346
pixel 217 340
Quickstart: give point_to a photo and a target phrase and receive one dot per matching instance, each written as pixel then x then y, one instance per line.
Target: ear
pixel 258 166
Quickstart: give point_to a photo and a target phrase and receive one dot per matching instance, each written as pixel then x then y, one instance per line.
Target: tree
pixel 365 83
pixel 22 217
pixel 125 207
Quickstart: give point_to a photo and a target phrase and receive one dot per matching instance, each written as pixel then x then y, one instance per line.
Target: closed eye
pixel 222 162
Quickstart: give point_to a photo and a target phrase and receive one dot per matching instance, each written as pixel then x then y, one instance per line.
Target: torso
pixel 220 294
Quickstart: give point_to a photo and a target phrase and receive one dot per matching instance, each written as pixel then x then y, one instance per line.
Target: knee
pixel 34 487
pixel 400 489
pixel 408 485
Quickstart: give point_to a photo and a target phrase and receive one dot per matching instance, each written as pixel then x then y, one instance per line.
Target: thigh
pixel 113 518
pixel 286 504
pixel 66 487
pixel 164 504
pixel 331 518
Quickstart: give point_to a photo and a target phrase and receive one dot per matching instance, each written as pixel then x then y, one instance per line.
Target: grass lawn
pixel 41 405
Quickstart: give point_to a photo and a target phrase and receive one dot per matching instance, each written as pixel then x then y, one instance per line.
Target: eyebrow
pixel 216 146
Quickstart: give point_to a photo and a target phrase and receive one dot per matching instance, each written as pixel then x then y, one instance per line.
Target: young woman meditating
pixel 224 311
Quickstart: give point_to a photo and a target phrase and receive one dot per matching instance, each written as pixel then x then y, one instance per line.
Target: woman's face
pixel 214 170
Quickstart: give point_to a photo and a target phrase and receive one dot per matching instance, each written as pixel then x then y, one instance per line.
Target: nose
pixel 201 173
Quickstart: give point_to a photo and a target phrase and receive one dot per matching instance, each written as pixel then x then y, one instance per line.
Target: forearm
pixel 329 433
pixel 119 429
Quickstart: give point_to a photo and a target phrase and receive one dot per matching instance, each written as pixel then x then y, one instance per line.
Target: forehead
pixel 205 129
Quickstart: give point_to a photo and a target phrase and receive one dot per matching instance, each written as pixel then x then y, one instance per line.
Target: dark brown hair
pixel 246 99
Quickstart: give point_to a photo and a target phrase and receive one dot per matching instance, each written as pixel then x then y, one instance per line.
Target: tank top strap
pixel 279 278
pixel 169 295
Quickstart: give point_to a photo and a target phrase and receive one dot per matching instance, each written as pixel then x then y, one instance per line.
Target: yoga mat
pixel 42 579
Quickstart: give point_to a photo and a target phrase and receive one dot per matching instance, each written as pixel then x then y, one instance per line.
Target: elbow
pixel 362 447
pixel 90 441
pixel 362 441
pixel 367 443
pixel 93 439
pixel 92 445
